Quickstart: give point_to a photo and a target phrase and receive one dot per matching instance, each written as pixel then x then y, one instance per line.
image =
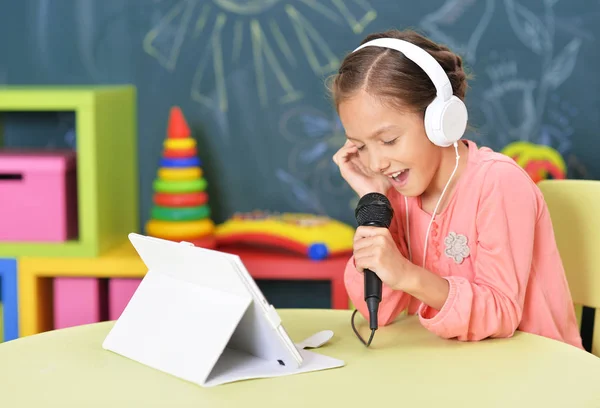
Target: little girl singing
pixel 471 248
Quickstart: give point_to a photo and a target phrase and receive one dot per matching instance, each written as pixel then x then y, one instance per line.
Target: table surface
pixel 405 366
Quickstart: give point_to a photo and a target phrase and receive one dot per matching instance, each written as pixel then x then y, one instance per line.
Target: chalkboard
pixel 249 76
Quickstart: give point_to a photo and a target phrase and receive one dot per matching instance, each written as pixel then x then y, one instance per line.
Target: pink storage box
pixel 38 196
pixel 120 292
pixel 79 301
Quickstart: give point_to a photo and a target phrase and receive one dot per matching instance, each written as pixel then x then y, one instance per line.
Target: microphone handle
pixel 372 281
pixel 372 296
pixel 373 290
pixel 372 285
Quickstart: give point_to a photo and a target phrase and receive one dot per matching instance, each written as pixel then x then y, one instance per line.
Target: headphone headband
pixel 420 57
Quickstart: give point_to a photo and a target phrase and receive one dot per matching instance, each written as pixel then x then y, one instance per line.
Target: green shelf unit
pixel 107 165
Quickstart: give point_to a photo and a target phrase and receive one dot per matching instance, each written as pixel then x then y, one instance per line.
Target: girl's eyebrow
pixel 381 130
pixel 378 132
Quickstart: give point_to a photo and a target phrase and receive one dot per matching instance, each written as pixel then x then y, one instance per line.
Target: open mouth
pixel 399 178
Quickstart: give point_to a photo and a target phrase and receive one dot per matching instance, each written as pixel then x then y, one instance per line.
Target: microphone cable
pixel 366 343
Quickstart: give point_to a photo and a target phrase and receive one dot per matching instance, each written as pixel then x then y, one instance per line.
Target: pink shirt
pixel 510 277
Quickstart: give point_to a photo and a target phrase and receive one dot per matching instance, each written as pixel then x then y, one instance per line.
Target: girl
pixel 471 248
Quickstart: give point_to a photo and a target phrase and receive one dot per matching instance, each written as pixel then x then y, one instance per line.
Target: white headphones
pixel 446 116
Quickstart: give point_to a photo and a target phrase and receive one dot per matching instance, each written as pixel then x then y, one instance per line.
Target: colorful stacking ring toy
pixel 175 144
pixel 180 213
pixel 181 200
pixel 180 230
pixel 180 153
pixel 181 173
pixel 180 162
pixel 181 186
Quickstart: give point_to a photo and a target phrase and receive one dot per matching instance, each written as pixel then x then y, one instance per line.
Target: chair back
pixel 574 207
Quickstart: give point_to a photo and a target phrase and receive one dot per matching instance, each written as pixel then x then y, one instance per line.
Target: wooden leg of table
pixel 339 296
pixel 45 309
pixel 35 302
pixel 28 321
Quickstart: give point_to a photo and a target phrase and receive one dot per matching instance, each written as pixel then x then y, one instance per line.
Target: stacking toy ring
pixel 209 242
pixel 180 213
pixel 180 162
pixel 179 186
pixel 181 230
pixel 177 144
pixel 180 153
pixel 182 173
pixel 181 199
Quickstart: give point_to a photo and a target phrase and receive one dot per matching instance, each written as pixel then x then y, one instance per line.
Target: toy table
pixel 406 366
pixel 264 265
pixel 36 283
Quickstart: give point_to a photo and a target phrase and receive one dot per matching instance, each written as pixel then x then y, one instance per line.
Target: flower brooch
pixel 456 247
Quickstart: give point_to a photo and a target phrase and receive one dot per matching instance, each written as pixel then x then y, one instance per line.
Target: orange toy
pixel 181 215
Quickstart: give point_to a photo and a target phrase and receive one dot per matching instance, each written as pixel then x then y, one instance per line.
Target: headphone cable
pixel 366 343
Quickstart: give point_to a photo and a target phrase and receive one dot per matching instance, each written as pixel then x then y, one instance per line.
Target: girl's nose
pixel 378 164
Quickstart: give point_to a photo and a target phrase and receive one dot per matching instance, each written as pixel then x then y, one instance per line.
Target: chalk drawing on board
pixel 263 54
pixel 358 25
pixel 523 104
pixel 221 30
pixel 164 41
pixel 514 108
pixel 447 25
pixel 558 126
pixel 246 6
pixel 315 137
pixel 300 196
pixel 562 65
pixel 533 32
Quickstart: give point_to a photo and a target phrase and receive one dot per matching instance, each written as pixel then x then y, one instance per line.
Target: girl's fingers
pixel 341 155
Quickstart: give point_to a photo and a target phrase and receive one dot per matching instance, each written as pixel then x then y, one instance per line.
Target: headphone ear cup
pixel 454 119
pixel 433 122
pixel 446 122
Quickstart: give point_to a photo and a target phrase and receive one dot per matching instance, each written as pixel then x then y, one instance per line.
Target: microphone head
pixel 374 209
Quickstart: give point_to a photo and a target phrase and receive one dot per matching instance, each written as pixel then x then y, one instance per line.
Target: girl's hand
pixel 375 249
pixel 361 179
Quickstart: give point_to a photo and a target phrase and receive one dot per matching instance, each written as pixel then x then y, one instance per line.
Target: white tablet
pixel 193 308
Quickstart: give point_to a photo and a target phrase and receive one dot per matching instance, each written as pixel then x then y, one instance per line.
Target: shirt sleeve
pixel 491 305
pixel 393 302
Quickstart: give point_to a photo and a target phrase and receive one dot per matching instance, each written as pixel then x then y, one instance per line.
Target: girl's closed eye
pixel 359 148
pixel 390 142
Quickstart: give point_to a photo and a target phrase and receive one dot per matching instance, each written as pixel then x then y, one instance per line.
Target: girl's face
pixel 391 142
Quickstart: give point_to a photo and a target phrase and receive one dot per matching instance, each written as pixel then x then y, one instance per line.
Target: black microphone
pixel 375 210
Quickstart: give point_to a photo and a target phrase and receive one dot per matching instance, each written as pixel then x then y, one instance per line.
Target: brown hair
pixel 389 75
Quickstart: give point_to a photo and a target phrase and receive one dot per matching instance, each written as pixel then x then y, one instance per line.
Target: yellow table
pixel 406 366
